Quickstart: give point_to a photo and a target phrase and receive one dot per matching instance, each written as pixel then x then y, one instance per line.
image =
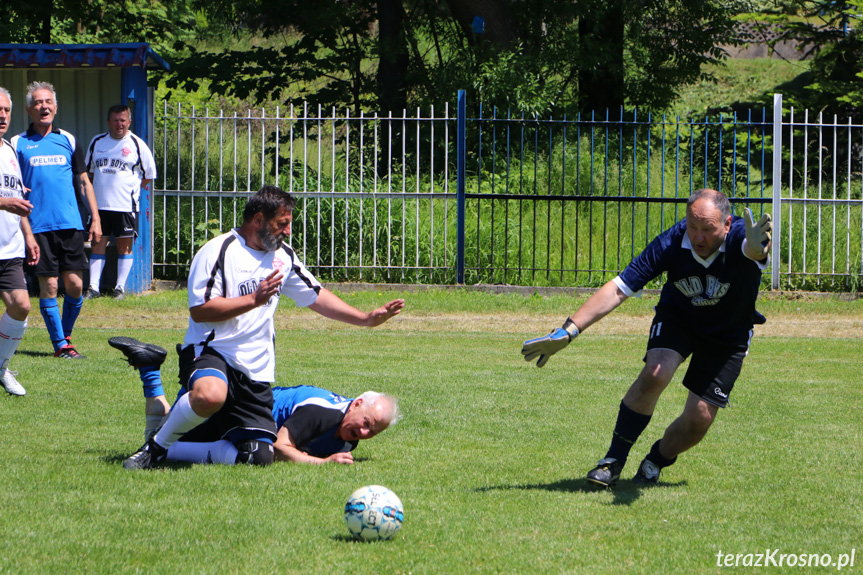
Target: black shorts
pixel 248 409
pixel 119 224
pixel 60 251
pixel 12 274
pixel 715 363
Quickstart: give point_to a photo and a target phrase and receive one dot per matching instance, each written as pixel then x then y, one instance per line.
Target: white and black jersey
pixel 118 166
pixel 11 237
pixel 227 267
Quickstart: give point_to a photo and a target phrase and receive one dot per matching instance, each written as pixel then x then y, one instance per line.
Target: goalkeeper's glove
pixel 546 346
pixel 757 235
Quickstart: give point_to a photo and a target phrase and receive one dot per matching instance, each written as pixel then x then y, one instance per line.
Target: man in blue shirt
pixel 314 425
pixel 706 310
pixel 52 165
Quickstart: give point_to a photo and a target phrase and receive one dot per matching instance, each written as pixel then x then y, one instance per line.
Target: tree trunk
pixel 600 79
pixel 393 52
pixel 43 12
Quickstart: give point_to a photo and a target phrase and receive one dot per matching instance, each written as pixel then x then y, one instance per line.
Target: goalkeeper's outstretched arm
pixel 597 306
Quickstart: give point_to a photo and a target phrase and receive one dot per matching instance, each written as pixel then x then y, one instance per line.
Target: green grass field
pixel 489 459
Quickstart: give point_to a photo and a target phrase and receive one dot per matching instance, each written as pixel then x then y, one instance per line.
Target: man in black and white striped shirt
pixel 228 360
pixel 120 164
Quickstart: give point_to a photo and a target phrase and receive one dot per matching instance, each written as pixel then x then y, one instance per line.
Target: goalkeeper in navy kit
pixel 706 311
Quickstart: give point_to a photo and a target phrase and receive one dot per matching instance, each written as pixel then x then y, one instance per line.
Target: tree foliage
pixel 830 33
pixel 529 56
pixel 162 23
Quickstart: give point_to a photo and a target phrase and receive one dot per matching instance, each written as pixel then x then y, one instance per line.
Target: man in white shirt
pixel 227 362
pixel 16 242
pixel 120 164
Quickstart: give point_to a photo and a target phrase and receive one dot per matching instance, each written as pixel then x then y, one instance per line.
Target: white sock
pixel 11 332
pixel 222 451
pixel 124 266
pixel 97 264
pixel 181 419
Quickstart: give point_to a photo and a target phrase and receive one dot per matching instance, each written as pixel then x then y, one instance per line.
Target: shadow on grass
pixel 31 353
pixel 345 538
pixel 119 458
pixel 625 492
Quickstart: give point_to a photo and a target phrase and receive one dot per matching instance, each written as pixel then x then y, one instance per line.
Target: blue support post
pixel 133 85
pixel 460 186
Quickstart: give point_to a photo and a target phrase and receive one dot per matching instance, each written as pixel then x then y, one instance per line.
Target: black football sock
pixel 657 458
pixel 626 432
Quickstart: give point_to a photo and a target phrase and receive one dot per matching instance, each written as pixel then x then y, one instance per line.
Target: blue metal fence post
pixel 460 186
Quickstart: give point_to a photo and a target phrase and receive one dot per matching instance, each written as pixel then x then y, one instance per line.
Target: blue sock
pixel 53 323
pixel 71 311
pixel 151 377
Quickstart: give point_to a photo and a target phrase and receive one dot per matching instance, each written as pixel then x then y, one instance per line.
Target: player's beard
pixel 269 241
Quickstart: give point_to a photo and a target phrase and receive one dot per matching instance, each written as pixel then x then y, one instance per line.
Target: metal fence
pixel 441 197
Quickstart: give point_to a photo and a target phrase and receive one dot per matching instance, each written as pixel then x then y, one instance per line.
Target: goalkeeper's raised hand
pixel 757 234
pixel 546 346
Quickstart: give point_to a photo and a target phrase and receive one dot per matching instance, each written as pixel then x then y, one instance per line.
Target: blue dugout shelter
pixel 88 79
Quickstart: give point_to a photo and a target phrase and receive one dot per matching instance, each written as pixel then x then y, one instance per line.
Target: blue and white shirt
pixel 49 165
pixel 312 416
pixel 716 297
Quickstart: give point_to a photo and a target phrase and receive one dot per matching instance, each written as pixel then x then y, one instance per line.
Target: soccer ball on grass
pixel 373 513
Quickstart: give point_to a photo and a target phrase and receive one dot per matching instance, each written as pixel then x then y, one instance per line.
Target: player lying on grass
pixel 314 425
pixel 713 264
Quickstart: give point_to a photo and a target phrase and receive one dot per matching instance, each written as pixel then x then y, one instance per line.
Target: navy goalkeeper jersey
pixel 714 297
pixel 312 416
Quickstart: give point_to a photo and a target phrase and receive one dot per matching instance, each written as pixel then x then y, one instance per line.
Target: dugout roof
pixel 89 79
pixel 80 56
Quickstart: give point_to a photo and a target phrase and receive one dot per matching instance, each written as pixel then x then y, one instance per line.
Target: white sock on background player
pixel 124 266
pixel 11 332
pixel 97 265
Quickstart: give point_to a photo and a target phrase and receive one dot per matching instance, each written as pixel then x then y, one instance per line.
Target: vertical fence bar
pixel 320 144
pixel 361 170
pixel 790 188
pixel 446 167
pixel 820 190
pixel 375 198
pixel 404 163
pixel 777 190
pixel 835 186
pixel 460 191
pixel 431 190
pixel 805 186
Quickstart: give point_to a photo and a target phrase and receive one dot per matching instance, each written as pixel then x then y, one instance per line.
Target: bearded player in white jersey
pixel 227 362
pixel 120 164
pixel 16 243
